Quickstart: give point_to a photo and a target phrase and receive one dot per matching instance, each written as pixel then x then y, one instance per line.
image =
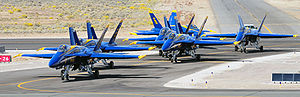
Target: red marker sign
pixel 5 58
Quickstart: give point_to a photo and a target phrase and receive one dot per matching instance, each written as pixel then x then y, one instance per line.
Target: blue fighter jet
pixel 252 35
pixel 177 43
pixel 157 26
pixel 91 42
pixel 79 57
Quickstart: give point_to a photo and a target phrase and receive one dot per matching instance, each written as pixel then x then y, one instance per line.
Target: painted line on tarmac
pixel 255 18
pixel 8 84
pixel 20 85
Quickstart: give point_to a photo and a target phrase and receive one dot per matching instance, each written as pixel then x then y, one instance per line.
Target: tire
pixel 111 64
pixel 160 53
pixel 198 57
pixel 261 48
pixel 67 77
pixel 245 50
pixel 236 48
pixel 176 61
pixel 62 75
pixel 96 74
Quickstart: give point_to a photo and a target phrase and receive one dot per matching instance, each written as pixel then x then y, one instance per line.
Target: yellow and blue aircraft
pixel 91 42
pixel 73 57
pixel 252 35
pixel 166 31
pixel 163 34
pixel 157 26
pixel 178 43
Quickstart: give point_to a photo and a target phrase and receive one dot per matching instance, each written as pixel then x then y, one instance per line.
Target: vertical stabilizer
pixel 155 21
pixel 113 38
pixel 72 41
pixel 89 30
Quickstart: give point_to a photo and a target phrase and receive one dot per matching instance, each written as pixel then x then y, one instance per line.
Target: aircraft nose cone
pixel 55 59
pixel 166 45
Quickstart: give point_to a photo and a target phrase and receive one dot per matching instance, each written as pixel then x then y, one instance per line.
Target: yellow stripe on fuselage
pixel 72 47
pixel 88 41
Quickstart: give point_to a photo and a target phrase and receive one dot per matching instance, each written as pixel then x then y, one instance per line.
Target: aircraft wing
pixel 222 35
pixel 48 48
pixel 211 38
pixel 127 48
pixel 268 35
pixel 205 43
pixel 115 56
pixel 35 55
pixel 141 39
pixel 143 32
pixel 148 42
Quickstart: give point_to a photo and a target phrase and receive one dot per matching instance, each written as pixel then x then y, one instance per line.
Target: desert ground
pixel 43 18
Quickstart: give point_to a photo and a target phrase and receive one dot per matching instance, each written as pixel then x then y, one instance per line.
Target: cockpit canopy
pixel 250 26
pixel 163 31
pixel 172 36
pixel 63 48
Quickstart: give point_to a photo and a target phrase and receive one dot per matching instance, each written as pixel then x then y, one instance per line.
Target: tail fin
pixel 77 42
pixel 167 24
pixel 93 33
pixel 155 21
pixel 240 34
pixel 201 28
pixel 172 19
pixel 189 26
pixel 241 22
pixel 101 39
pixel 262 23
pixel 89 31
pixel 176 26
pixel 72 41
pixel 242 27
pixel 180 28
pixel 113 38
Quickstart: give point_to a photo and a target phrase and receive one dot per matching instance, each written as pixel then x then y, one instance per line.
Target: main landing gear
pixel 110 64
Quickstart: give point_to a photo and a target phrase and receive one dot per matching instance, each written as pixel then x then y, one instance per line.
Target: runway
pixel 146 77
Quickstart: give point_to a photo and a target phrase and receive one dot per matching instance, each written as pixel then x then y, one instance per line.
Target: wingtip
pixel 19 55
pixel 222 38
pixel 42 48
pixel 131 33
pixel 295 35
pixel 133 43
pixel 151 48
pixel 236 42
pixel 212 31
pixel 125 39
pixel 142 56
pixel 150 11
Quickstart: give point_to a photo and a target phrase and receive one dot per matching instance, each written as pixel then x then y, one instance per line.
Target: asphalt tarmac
pixel 146 77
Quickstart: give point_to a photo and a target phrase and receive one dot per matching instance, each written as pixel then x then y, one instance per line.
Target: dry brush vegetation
pixel 54 16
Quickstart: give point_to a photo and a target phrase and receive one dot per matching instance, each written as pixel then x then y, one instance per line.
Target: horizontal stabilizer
pixel 114 56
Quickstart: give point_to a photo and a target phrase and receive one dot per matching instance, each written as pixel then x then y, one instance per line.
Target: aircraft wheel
pixel 198 57
pixel 160 53
pixel 96 74
pixel 261 48
pixel 111 65
pixel 245 50
pixel 236 48
pixel 62 75
pixel 67 77
pixel 170 58
pixel 175 60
